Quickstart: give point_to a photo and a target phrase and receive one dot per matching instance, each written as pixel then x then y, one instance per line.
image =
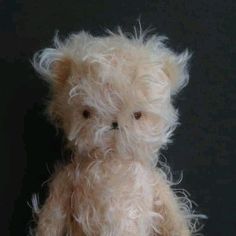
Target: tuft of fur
pixel 112 186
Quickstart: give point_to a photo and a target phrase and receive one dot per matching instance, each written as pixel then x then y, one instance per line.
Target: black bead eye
pixel 86 114
pixel 137 115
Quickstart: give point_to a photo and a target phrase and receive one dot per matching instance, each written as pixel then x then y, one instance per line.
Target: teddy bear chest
pixel 112 189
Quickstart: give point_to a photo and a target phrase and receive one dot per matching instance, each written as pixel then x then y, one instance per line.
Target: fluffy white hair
pixel 128 80
pixel 83 46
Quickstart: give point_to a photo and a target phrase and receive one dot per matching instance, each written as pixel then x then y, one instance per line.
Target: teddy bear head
pixel 113 93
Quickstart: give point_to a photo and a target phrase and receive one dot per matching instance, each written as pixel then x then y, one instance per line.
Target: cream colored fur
pixel 112 187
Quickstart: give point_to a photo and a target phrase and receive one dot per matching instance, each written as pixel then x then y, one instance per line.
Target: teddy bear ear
pixel 175 68
pixel 53 64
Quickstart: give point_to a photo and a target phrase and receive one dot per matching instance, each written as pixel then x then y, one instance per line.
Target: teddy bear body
pixel 109 197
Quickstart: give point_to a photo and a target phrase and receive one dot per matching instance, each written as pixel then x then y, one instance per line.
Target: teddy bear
pixel 112 96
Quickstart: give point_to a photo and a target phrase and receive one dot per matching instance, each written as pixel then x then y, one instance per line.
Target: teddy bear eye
pixel 86 114
pixel 137 115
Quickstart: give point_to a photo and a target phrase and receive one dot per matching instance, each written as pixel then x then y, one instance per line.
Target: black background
pixel 203 145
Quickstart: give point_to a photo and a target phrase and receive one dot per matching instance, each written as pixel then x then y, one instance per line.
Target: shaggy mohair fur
pixel 112 97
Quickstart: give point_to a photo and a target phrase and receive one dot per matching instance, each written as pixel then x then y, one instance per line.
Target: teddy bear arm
pixel 54 214
pixel 173 222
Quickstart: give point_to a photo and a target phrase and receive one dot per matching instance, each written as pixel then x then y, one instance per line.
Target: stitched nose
pixel 114 125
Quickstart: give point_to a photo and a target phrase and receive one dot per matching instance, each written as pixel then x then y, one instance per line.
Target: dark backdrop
pixel 203 145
